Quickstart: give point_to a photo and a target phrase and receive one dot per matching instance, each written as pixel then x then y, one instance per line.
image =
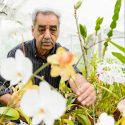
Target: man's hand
pixel 85 91
pixel 5 99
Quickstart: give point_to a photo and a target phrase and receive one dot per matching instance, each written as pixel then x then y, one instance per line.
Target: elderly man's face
pixel 45 31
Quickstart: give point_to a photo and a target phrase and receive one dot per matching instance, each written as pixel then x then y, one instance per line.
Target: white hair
pixel 45 12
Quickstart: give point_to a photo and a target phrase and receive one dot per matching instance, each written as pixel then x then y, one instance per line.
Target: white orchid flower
pixel 105 119
pixel 43 104
pixel 18 69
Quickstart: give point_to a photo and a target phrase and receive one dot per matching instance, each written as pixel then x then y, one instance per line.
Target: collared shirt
pixel 29 49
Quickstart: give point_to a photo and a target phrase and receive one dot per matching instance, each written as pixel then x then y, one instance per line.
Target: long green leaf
pixel 119 47
pixel 119 56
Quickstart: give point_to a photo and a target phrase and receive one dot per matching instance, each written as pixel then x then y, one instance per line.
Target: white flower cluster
pixel 110 73
pixel 42 104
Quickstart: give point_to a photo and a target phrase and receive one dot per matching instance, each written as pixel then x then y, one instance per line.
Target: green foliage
pixel 113 24
pixel 9 113
pixel 83 119
pixel 115 17
pixel 83 31
pixel 108 95
pixel 64 89
pixel 71 100
pixel 110 33
pixel 119 47
pixel 69 122
pixel 98 24
pixel 78 4
pixel 119 56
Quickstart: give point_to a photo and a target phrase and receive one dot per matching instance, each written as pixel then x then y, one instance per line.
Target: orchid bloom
pixel 61 64
pixel 18 69
pixel 121 107
pixel 105 119
pixel 43 104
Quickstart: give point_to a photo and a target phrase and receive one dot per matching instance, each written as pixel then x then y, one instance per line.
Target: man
pixel 45 31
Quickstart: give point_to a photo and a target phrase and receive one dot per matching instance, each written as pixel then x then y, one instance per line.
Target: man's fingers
pixel 82 88
pixel 89 100
pixel 86 93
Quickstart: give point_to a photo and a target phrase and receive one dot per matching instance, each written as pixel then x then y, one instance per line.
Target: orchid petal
pixel 29 102
pixel 55 71
pixel 37 118
pixel 8 69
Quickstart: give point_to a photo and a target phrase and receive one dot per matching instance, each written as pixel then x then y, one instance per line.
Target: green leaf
pixel 97 28
pixel 101 20
pixel 119 47
pixel 9 113
pixel 69 122
pixel 98 24
pixel 115 17
pixel 110 33
pixel 116 10
pixel 83 119
pixel 113 24
pixel 117 7
pixel 119 56
pixel 83 31
pixel 78 4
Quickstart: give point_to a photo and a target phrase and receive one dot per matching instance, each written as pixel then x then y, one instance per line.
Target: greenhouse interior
pixel 62 62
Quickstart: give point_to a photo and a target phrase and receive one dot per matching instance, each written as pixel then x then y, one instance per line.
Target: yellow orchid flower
pixel 61 64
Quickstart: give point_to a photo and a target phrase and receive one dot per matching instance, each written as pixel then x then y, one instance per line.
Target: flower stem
pixel 39 69
pixel 82 48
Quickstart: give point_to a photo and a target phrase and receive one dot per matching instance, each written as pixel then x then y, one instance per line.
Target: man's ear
pixel 33 30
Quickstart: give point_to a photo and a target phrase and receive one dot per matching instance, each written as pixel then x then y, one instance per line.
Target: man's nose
pixel 47 34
